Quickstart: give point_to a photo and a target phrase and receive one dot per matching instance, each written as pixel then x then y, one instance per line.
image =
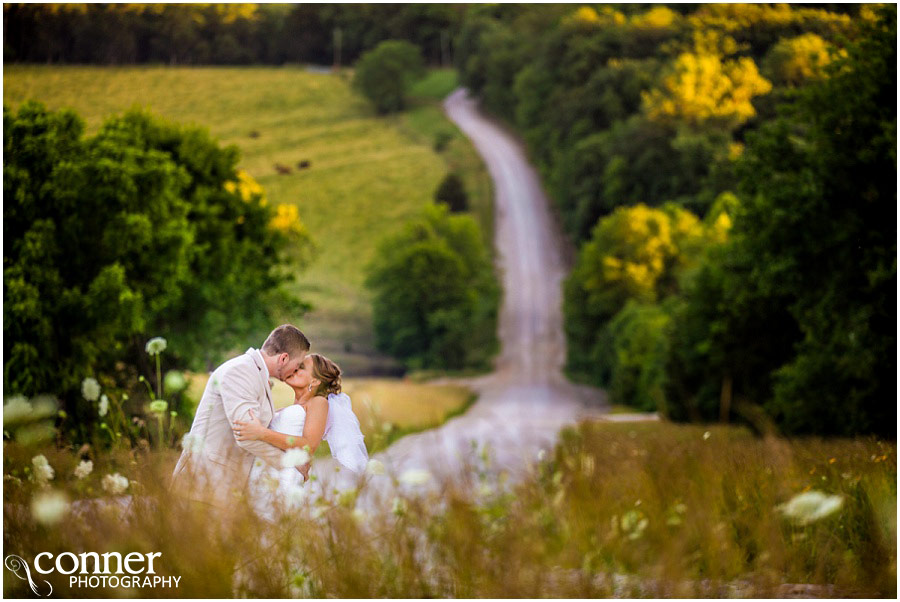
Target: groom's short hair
pixel 286 339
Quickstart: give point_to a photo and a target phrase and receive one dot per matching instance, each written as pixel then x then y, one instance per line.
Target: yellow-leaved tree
pixel 794 61
pixel 705 89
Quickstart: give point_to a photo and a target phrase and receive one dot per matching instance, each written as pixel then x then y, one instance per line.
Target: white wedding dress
pixel 273 490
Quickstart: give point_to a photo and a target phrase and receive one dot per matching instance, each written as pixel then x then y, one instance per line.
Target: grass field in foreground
pixel 616 510
pixel 367 175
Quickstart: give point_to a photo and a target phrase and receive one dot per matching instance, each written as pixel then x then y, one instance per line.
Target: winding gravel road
pixel 523 404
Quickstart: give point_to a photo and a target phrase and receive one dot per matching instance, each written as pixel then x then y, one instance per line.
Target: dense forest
pixel 222 34
pixel 728 173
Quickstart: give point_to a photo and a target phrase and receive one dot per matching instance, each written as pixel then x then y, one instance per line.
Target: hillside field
pixel 367 175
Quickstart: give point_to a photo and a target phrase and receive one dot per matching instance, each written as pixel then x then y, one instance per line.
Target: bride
pixel 320 411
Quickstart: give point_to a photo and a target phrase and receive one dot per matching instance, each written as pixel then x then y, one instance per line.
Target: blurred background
pixel 724 175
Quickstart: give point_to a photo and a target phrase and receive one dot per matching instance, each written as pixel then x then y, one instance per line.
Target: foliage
pixel 794 61
pixel 229 34
pixel 366 175
pixel 435 296
pixel 453 193
pixel 385 74
pixel 637 253
pixel 704 88
pixel 130 231
pixel 638 356
pixel 809 285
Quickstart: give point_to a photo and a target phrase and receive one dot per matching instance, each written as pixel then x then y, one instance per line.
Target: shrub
pixel 638 355
pixel 435 295
pixel 385 73
pixel 452 191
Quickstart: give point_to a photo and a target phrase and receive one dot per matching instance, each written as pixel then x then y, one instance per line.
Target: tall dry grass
pixel 615 510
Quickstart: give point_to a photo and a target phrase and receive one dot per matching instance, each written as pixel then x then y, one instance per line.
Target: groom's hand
pixel 304 470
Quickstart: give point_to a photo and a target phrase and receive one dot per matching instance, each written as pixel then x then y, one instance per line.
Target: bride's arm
pixel 313 429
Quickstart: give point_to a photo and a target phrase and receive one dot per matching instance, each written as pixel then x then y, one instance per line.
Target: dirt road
pixel 522 405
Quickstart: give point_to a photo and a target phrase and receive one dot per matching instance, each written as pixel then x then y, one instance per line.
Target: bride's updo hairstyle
pixel 327 372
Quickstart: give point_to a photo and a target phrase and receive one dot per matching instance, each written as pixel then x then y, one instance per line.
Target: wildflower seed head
pixel 90 389
pixel 156 345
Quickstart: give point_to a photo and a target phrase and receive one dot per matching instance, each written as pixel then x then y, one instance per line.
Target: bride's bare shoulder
pixel 317 401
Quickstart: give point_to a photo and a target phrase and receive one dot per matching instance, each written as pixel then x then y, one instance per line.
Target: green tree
pixel 637 253
pixel 137 231
pixel 435 295
pixel 799 312
pixel 794 61
pixel 452 191
pixel 385 73
pixel 637 356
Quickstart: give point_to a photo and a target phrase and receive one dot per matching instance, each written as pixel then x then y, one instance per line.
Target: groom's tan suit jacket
pixel 214 466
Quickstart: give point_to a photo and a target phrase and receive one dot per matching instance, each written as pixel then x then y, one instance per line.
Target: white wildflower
pixel 194 443
pixel 295 457
pixel 375 467
pixel 174 381
pixel 707 435
pixel 84 468
pixel 15 409
pixel 415 476
pixel 399 506
pixel 633 524
pixel 156 345
pixel 43 472
pixel 541 455
pixel 48 508
pixel 811 506
pixel 359 515
pixel 159 407
pixel 294 496
pixel 90 389
pixel 104 406
pixel 115 484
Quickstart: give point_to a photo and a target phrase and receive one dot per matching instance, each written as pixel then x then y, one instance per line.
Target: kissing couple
pixel 239 445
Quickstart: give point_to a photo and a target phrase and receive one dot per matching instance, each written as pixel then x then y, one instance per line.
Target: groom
pixel 214 466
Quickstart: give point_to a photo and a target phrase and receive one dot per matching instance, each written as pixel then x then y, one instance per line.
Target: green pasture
pixel 366 176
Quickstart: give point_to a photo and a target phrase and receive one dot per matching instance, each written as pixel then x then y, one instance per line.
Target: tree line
pixel 728 173
pixel 227 34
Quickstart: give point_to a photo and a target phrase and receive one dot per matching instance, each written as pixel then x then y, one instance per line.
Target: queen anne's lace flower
pixel 84 468
pixel 295 457
pixel 375 467
pixel 50 507
pixel 294 496
pixel 90 389
pixel 415 476
pixel 193 443
pixel 399 506
pixel 16 408
pixel 159 406
pixel 811 506
pixel 115 484
pixel 103 408
pixel 174 381
pixel 43 472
